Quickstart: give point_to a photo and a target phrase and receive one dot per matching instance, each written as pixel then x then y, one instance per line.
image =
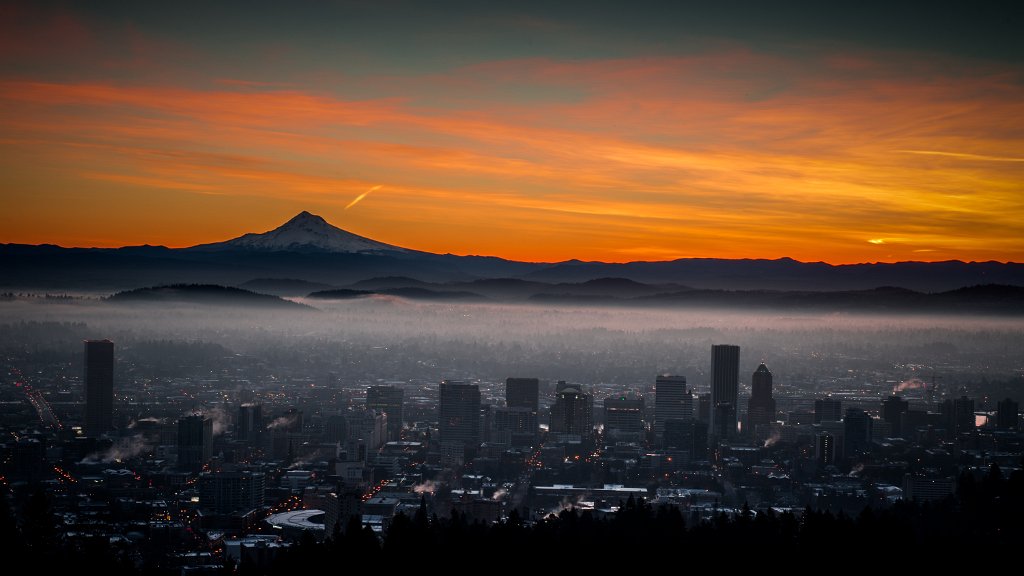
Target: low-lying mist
pixel 387 338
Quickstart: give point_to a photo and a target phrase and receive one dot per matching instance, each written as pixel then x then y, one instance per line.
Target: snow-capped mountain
pixel 304 233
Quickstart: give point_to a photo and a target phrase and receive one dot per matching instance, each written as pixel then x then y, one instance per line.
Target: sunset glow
pixel 120 132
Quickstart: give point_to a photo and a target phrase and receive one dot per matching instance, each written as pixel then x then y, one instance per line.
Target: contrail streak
pixel 363 195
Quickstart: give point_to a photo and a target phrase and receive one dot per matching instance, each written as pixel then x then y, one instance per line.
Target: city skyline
pixel 537 133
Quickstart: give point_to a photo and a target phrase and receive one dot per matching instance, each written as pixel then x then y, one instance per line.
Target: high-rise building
pixel 761 406
pixel 195 442
pixel 893 409
pixel 672 401
pixel 724 419
pixel 249 423
pixel 828 410
pixel 519 420
pixel 573 411
pixel 522 393
pixel 689 435
pixel 1008 415
pixel 231 491
pixel 725 385
pixel 623 415
pixel 516 426
pixel 388 400
pixel 959 415
pixel 459 414
pixel 704 408
pixel 825 449
pixel 368 427
pixel 99 387
pixel 856 432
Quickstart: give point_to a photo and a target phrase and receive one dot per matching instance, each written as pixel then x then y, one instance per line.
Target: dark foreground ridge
pixel 984 515
pixel 210 294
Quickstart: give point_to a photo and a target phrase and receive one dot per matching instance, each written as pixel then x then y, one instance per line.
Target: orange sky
pixel 839 155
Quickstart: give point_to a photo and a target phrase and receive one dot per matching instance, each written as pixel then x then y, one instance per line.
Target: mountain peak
pixel 305 232
pixel 305 216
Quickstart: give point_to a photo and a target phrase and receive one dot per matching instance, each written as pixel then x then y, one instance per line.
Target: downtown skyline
pixel 604 132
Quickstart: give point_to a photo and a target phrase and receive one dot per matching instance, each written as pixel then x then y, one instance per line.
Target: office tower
pixel 828 410
pixel 368 427
pixel 1007 415
pixel 761 406
pixel 249 423
pixel 725 385
pixel 623 414
pixel 516 426
pixel 856 432
pixel 522 393
pixel 486 422
pixel 704 408
pixel 959 415
pixel 231 491
pixel 459 414
pixel 195 442
pixel 572 412
pixel 893 409
pixel 825 449
pixel 724 418
pixel 689 435
pixel 99 387
pixel 672 401
pixel 388 400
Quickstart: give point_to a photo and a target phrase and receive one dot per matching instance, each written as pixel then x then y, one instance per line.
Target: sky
pixel 545 131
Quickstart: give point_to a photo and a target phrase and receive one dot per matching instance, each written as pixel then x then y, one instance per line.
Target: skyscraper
pixel 388 399
pixel 825 449
pixel 828 410
pixel 893 409
pixel 459 414
pixel 623 415
pixel 856 432
pixel 761 406
pixel 249 424
pixel 725 385
pixel 959 414
pixel 519 418
pixel 671 402
pixel 522 393
pixel 1007 415
pixel 231 491
pixel 572 412
pixel 99 387
pixel 195 442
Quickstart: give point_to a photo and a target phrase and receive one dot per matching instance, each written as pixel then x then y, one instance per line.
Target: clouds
pixel 727 151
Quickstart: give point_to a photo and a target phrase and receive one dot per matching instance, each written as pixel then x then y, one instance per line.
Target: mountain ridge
pixel 307 248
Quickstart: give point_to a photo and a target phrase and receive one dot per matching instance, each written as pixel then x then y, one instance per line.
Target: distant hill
pixel 985 299
pixel 412 293
pixel 308 249
pixel 387 282
pixel 208 294
pixel 284 286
